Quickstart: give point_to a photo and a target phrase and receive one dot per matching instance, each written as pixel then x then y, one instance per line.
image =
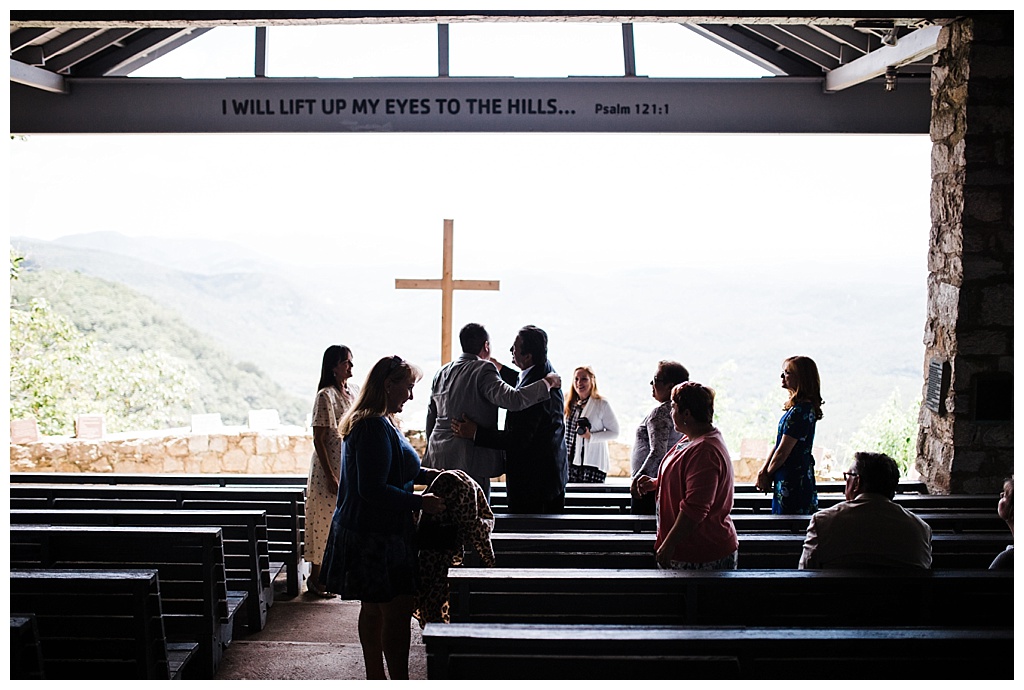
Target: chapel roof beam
pixel 37 78
pixel 140 50
pixel 741 42
pixel 910 48
pixel 211 18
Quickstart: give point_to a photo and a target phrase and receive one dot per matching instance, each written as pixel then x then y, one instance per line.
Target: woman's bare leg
pixel 370 626
pixel 395 635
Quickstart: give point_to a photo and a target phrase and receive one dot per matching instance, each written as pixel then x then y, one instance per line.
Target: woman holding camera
pixel 589 425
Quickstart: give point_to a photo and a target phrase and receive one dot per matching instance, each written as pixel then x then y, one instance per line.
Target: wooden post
pixel 447 285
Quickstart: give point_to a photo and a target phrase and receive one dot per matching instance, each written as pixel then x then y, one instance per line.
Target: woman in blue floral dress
pixel 789 471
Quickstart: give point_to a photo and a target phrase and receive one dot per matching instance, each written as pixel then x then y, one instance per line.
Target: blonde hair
pixel 372 399
pixel 573 396
pixel 808 384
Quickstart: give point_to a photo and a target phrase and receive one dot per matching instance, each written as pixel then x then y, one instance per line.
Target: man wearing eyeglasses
pixel 868 529
pixel 536 464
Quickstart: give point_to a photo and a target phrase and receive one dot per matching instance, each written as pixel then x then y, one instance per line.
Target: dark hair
pixel 672 373
pixel 332 355
pixel 1008 482
pixel 878 473
pixel 698 399
pixel 535 343
pixel 472 338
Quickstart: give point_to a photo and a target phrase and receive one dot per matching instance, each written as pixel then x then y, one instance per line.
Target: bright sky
pixel 570 203
pixel 745 199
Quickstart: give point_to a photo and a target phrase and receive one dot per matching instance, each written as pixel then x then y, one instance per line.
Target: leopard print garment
pixel 467 510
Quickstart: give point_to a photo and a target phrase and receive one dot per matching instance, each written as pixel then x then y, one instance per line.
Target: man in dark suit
pixel 536 468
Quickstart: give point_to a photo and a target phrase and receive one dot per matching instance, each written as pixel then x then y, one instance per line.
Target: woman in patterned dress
pixel 789 471
pixel 333 399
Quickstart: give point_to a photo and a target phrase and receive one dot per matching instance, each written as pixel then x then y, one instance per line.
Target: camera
pixel 583 425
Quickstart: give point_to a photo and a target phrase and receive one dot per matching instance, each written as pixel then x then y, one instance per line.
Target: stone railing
pixel 232 450
pixel 239 450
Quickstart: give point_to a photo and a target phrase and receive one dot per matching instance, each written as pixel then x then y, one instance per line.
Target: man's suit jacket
pixel 868 532
pixel 536 467
pixel 471 386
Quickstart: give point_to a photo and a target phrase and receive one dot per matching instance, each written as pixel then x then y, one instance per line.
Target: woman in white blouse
pixel 588 444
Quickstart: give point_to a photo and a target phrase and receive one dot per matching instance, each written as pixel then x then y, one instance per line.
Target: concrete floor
pixel 308 638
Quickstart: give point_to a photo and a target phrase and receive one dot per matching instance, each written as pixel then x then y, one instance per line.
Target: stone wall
pixel 233 451
pixel 240 450
pixel 965 446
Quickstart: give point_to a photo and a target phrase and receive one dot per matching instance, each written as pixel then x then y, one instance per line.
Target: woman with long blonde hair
pixel 789 470
pixel 371 556
pixel 589 425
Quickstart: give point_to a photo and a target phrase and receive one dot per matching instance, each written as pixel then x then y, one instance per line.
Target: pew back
pixel 757 550
pixel 774 598
pixel 103 624
pixel 246 554
pixel 284 506
pixel 606 652
pixel 189 560
pixel 945 521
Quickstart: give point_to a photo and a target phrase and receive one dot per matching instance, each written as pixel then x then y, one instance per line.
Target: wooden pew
pixel 197 606
pixel 99 624
pixel 284 506
pixel 757 550
pixel 26 651
pixel 601 502
pixel 769 598
pixel 944 521
pixel 467 651
pixel 246 554
pixel 906 486
pixel 170 479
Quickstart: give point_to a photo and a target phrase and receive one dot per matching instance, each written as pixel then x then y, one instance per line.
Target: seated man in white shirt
pixel 868 530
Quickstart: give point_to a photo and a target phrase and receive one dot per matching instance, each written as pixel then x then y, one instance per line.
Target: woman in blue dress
pixel 371 555
pixel 789 471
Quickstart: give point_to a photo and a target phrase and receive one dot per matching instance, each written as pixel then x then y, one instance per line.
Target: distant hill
pixel 117 315
pixel 731 326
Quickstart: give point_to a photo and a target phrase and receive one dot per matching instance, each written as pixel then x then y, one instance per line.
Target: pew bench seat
pixel 621 652
pixel 759 550
pixel 940 521
pixel 776 598
pixel 246 551
pixel 26 650
pixel 195 601
pixel 284 506
pixel 99 624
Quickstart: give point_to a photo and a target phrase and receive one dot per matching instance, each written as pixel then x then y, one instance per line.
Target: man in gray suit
pixel 472 387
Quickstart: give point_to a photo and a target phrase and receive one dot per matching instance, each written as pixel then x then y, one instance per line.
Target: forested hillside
pixel 129 322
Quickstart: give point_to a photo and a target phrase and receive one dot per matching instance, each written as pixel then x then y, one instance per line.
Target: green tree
pixel 892 430
pixel 756 418
pixel 57 372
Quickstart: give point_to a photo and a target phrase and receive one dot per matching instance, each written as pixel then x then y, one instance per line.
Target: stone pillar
pixel 967 445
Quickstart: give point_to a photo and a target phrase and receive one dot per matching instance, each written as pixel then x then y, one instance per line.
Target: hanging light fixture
pixel 890 78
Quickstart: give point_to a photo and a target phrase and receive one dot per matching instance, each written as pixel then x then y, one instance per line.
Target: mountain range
pixel 731 327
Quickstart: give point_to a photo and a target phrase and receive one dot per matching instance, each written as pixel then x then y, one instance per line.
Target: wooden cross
pixel 447 286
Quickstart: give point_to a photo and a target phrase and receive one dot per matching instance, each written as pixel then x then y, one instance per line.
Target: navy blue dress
pixel 371 555
pixel 795 490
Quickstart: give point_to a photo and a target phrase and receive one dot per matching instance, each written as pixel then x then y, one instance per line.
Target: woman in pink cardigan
pixel 694 489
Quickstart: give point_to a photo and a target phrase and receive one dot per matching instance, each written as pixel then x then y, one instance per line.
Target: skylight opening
pixel 672 50
pixel 539 50
pixel 495 49
pixel 356 50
